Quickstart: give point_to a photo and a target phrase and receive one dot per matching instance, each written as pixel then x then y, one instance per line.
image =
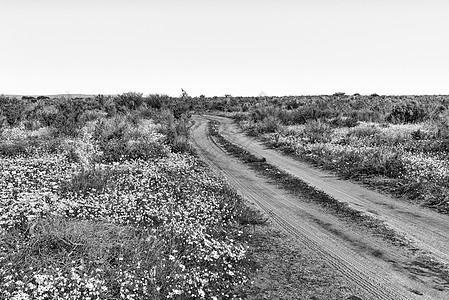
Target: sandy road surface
pixel 374 268
pixel 428 229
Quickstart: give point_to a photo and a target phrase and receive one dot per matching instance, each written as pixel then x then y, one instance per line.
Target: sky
pixel 218 47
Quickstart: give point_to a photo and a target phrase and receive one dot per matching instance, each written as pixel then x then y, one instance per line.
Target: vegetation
pixel 395 143
pixel 103 198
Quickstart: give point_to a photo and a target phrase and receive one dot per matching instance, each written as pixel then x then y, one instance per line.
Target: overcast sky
pixel 217 47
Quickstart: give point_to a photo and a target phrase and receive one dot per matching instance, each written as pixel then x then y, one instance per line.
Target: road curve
pixel 427 229
pixel 374 268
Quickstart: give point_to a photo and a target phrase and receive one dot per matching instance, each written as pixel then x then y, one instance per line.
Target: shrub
pixel 92 115
pixel 176 132
pixel 119 139
pixel 128 101
pixel 269 124
pixel 341 121
pixel 156 101
pixel 80 259
pixel 12 110
pixel 181 145
pixel 68 119
pixel 87 181
pixel 442 125
pixel 317 132
pixel 292 104
pixel 8 149
pixel 407 112
pixel 364 131
pixel 366 115
pixel 180 110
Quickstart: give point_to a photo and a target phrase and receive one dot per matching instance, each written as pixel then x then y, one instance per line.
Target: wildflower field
pixel 398 144
pixel 110 202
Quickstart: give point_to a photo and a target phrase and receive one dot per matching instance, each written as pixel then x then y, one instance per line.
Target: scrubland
pixel 398 144
pixel 103 198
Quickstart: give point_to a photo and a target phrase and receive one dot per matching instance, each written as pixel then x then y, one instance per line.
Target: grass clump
pixel 81 259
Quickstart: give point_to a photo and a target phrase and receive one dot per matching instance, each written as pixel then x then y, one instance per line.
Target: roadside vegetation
pixel 398 144
pixel 103 198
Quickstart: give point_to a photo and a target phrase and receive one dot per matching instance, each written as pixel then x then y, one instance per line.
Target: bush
pixel 317 132
pixel 361 132
pixel 12 110
pixel 341 121
pixel 366 115
pixel 88 181
pixel 269 124
pixel 128 101
pixel 155 101
pixel 119 139
pixel 92 115
pixel 80 259
pixel 68 119
pixel 13 149
pixel 407 112
pixel 177 133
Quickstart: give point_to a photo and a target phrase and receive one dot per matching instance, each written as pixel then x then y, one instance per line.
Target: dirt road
pixel 373 267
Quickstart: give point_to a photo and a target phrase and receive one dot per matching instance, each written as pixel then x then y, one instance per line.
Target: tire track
pixel 350 268
pixel 376 279
pixel 426 228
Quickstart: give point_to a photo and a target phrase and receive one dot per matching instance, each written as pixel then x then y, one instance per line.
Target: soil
pixel 367 265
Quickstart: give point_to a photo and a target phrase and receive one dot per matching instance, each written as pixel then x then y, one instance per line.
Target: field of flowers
pixel 115 212
pixel 404 152
pixel 384 156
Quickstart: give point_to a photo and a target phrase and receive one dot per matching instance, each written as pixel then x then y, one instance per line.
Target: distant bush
pixel 317 132
pixel 269 124
pixel 366 115
pixel 156 101
pixel 442 124
pixel 13 149
pixel 12 110
pixel 292 104
pixel 180 109
pixel 361 132
pixel 407 112
pixel 128 101
pixel 119 139
pixel 68 119
pixel 107 252
pixel 344 122
pixel 92 115
pixel 88 181
pixel 176 132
